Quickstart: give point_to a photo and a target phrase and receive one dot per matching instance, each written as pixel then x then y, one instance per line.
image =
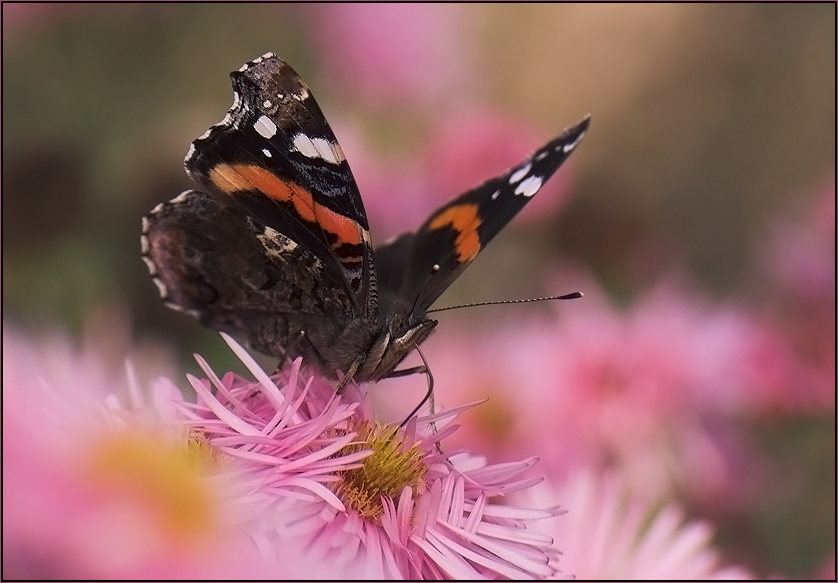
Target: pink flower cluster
pixel 599 384
pixel 272 478
pixel 279 478
pixel 247 481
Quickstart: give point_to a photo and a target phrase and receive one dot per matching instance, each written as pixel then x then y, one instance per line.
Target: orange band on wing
pixel 231 178
pixel 464 220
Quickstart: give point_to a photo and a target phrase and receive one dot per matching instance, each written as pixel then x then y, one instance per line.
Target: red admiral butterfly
pixel 275 245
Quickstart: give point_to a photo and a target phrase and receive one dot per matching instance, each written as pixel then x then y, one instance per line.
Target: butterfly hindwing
pixel 210 258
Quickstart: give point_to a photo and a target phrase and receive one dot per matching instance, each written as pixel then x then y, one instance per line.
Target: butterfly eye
pixel 398 325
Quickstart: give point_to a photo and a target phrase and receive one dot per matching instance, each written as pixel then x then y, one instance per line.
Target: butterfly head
pixel 399 336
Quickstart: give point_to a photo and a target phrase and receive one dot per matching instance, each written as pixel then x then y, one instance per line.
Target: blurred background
pixel 698 217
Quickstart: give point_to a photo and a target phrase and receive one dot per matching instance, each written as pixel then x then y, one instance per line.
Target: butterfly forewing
pixel 275 154
pixel 450 239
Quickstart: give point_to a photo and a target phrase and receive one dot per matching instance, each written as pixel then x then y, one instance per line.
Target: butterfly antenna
pixel 570 296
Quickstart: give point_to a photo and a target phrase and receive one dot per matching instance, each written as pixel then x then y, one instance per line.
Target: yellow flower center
pixel 164 480
pixel 392 465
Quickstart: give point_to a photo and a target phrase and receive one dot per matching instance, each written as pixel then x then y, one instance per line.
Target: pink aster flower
pixel 608 532
pixel 372 500
pixel 795 362
pixel 656 386
pixel 98 484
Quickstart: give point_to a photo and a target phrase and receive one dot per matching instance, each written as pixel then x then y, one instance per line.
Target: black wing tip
pixel 562 146
pixel 578 129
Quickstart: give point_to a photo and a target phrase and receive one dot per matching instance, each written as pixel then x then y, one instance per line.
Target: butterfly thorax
pixel 368 350
pixel 397 337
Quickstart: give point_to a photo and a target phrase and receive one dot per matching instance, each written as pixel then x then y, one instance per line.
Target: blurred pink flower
pixel 96 489
pixel 799 253
pixel 607 532
pixel 381 502
pixel 826 572
pixel 655 385
pixel 795 362
pixel 792 360
pixel 392 53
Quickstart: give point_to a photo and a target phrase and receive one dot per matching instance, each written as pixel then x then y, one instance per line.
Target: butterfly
pixel 274 244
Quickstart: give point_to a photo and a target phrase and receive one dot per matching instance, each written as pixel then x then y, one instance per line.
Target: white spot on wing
pixel 541 156
pixel 152 269
pixel 267 104
pixel 529 186
pixel 318 148
pixel 160 287
pixel 275 243
pixel 302 95
pixel 179 198
pixel 305 146
pixel 495 194
pixel 337 153
pixel 265 127
pixel 568 147
pixel 520 173
pixel 267 152
pixel 177 308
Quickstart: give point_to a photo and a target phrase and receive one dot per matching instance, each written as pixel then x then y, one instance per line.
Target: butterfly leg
pixel 407 372
pixel 284 359
pixel 429 394
pixel 353 368
pixel 288 350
